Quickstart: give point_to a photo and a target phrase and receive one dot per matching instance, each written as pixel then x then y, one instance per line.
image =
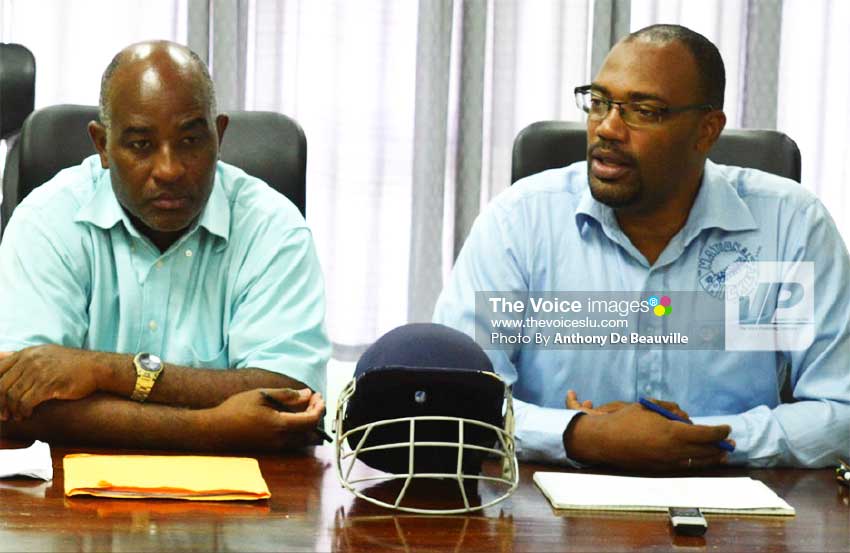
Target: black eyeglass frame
pixel 581 91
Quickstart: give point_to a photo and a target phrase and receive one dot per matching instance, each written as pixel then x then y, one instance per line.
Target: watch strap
pixel 145 379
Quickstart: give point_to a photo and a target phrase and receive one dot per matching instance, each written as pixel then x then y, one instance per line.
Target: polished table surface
pixel 310 511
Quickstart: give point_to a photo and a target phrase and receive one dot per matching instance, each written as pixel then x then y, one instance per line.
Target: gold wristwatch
pixel 148 369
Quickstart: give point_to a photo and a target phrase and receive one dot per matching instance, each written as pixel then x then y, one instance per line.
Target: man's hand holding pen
pixel 248 417
pixel 632 437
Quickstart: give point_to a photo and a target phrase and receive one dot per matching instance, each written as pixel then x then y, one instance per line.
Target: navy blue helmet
pixel 425 402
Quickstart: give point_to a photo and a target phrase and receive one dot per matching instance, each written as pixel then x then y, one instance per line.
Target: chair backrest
pixel 267 145
pixel 17 87
pixel 550 144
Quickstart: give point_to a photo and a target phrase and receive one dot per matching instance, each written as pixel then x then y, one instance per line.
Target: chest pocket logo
pixel 714 259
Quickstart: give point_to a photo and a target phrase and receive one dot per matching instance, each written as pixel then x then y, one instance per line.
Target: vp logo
pixel 769 299
pixel 775 314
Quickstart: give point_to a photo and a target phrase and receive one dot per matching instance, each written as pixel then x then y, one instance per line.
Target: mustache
pixel 611 149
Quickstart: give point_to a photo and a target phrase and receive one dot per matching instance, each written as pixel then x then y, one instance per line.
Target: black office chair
pixel 17 87
pixel 550 144
pixel 267 145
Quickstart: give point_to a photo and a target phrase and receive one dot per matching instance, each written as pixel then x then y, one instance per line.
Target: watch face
pixel 150 362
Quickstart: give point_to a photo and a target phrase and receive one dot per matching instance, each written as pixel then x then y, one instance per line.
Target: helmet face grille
pixel 423 411
pixel 426 458
pixel 399 392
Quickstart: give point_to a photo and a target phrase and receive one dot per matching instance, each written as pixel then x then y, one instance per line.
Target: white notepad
pixel 738 495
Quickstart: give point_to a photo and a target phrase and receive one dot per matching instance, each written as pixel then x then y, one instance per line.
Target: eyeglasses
pixel 634 114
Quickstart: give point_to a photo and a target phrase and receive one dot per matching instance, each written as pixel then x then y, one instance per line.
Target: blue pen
pixel 674 417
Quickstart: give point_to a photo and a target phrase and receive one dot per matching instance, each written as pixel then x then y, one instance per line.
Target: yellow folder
pixel 163 476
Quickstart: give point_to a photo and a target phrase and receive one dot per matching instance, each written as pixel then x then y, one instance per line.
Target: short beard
pixel 613 195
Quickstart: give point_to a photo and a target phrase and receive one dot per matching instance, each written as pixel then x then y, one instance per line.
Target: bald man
pixel 147 294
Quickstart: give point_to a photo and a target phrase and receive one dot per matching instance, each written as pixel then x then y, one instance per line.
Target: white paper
pixel 719 495
pixel 33 461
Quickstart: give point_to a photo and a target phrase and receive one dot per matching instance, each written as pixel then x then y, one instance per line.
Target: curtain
pixel 814 98
pixel 410 111
pixel 410 107
pixel 74 40
pixel 721 21
pixel 346 71
pixel 779 76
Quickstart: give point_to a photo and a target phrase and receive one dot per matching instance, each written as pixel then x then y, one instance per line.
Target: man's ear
pixel 711 126
pixel 97 132
pixel 220 126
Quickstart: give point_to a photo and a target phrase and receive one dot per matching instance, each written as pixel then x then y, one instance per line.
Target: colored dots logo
pixel 660 306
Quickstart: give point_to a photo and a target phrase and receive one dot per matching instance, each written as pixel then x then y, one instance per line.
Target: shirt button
pixel 188 253
pixel 152 326
pixel 647 388
pixel 159 264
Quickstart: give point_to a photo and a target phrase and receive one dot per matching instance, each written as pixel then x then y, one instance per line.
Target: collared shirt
pixel 242 287
pixel 547 233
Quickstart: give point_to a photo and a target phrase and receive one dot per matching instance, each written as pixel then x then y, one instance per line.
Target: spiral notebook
pixel 733 495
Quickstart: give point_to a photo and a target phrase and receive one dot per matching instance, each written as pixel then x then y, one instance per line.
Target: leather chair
pixel 267 145
pixel 550 144
pixel 17 87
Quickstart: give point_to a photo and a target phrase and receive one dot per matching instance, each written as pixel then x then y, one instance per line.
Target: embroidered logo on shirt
pixel 716 258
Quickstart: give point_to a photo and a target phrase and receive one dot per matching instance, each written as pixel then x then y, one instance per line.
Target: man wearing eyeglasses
pixel 647 212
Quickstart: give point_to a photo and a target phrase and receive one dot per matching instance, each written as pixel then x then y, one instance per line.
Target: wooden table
pixel 309 511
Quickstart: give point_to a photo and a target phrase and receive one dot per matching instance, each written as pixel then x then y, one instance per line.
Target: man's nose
pixel 167 167
pixel 612 126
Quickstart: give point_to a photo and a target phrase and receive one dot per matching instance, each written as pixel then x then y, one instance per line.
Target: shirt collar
pixel 717 205
pixel 104 211
pixel 589 208
pixel 216 214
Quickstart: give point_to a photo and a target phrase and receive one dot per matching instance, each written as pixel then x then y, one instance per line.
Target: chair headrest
pixel 17 87
pixel 550 144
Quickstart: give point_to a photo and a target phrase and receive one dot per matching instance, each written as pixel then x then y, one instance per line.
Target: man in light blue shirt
pixel 151 268
pixel 648 212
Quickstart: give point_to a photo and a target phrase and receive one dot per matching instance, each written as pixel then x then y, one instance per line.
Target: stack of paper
pixel 739 495
pixel 174 477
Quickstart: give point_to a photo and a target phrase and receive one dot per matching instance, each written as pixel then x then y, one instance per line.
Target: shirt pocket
pixel 210 356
